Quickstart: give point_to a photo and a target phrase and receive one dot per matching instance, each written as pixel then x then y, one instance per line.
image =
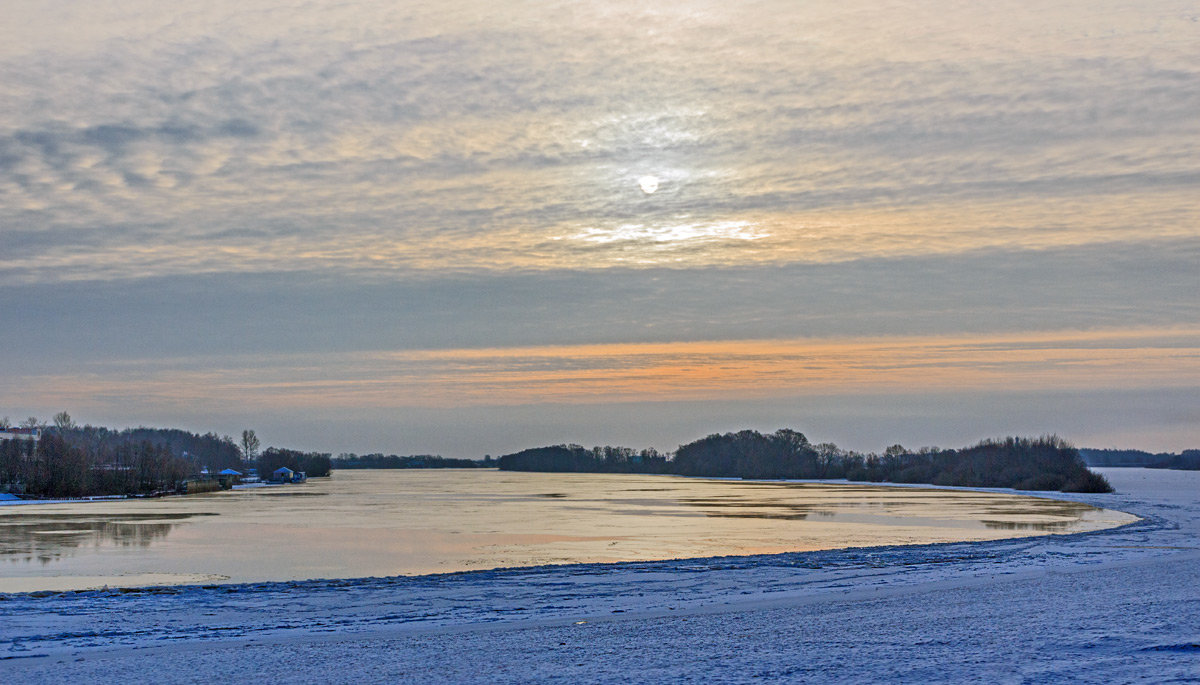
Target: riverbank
pixel 7 499
pixel 1105 606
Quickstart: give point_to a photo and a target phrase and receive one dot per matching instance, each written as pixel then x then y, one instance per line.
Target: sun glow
pixel 663 234
pixel 649 184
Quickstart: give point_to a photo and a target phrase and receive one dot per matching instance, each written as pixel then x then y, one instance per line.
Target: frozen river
pixel 405 522
pixel 1111 606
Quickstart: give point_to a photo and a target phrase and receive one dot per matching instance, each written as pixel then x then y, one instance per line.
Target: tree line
pixel 350 460
pixel 209 450
pixel 1186 460
pixel 56 467
pixel 70 460
pixel 1045 463
pixel 579 459
pixel 313 464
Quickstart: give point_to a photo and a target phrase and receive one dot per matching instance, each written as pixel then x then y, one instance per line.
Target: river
pixel 399 522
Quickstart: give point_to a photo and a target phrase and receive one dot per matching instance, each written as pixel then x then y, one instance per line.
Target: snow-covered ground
pixel 8 499
pixel 1112 606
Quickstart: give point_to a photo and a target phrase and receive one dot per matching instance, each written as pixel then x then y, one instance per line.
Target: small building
pixel 193 486
pixel 285 475
pixel 10 433
pixel 229 478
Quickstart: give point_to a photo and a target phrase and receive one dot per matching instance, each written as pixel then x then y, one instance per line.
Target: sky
pixel 467 228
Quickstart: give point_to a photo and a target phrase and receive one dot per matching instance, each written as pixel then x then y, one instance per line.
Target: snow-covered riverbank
pixel 7 499
pixel 1108 606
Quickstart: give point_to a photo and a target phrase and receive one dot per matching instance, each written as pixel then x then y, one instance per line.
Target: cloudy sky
pixel 446 227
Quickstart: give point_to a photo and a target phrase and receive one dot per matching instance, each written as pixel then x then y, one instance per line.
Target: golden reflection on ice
pixel 381 523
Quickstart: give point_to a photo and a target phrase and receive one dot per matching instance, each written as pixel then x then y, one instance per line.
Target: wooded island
pixel 1046 463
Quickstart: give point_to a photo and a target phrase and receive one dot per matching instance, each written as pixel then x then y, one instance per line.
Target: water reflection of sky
pixel 46 537
pixel 383 523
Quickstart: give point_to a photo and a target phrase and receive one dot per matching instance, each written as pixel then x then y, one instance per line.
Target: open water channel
pixel 397 522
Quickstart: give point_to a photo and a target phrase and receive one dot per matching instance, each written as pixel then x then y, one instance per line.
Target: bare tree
pixel 63 421
pixel 250 445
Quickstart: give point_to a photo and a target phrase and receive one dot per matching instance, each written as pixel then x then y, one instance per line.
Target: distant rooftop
pixel 20 433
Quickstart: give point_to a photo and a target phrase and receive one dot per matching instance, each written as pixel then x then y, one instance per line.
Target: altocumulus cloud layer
pixel 287 194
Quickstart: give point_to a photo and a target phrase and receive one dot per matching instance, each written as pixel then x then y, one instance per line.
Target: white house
pixel 33 434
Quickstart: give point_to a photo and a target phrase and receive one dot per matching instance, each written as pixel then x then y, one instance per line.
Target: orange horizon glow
pixel 650 372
